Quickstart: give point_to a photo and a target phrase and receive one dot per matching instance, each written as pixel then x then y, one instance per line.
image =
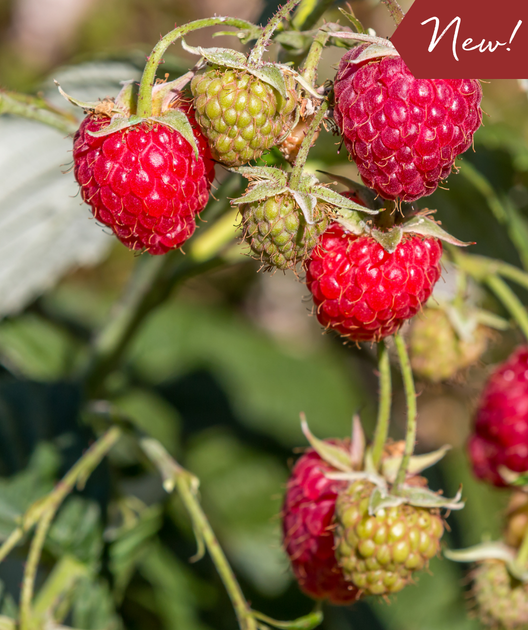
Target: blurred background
pixel 220 371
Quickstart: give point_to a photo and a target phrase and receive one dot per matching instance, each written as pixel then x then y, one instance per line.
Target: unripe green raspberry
pixel 501 601
pixel 437 352
pixel 379 553
pixel 240 115
pixel 277 232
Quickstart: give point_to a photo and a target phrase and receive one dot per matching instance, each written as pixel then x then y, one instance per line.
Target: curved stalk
pixel 155 58
pixel 385 395
pixel 174 476
pixel 410 395
pixel 309 67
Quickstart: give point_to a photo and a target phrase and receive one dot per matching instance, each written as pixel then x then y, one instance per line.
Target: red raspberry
pixel 144 182
pixel 362 291
pixel 501 424
pixel 307 523
pixel 403 133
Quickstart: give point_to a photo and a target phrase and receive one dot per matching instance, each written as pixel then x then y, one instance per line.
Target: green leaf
pixel 93 606
pixel 117 123
pixel 293 40
pixel 130 543
pixel 265 173
pixel 177 120
pixel 77 531
pixel 367 195
pixel 421 224
pixel 272 76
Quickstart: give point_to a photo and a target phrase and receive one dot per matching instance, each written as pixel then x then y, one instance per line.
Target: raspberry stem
pixel 175 476
pixel 309 67
pixel 395 10
pixel 155 58
pixel 384 408
pixel 510 301
pixel 295 177
pixel 255 57
pixel 410 394
pixel 38 109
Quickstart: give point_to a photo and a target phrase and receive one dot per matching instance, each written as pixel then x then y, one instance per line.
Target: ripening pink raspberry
pixel 307 524
pixel 404 134
pixel 500 436
pixel 144 182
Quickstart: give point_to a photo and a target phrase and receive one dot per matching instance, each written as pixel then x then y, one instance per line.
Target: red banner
pixel 463 39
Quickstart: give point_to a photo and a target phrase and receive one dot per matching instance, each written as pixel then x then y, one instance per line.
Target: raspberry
pixel 308 514
pixel 403 133
pixel 437 353
pixel 240 115
pixel 501 426
pixel 144 182
pixel 501 601
pixel 277 232
pixel 379 553
pixel 362 291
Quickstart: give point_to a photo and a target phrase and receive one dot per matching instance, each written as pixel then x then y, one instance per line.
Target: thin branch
pixel 385 395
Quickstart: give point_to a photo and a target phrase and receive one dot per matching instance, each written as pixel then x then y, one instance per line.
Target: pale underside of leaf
pixel 306 203
pixel 260 191
pixel 375 51
pixel 262 172
pixel 333 197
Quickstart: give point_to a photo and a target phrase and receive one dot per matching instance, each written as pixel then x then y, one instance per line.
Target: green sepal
pixel 495 550
pixel 331 196
pixel 417 463
pixel 388 239
pixel 367 195
pixel 333 455
pixel 262 173
pixel 126 100
pixel 300 80
pixel 353 19
pixel 307 622
pixel 117 123
pixel 491 320
pixel 271 75
pixel 415 496
pixel 423 225
pixel 260 191
pixel 177 120
pixel 352 221
pixel 85 104
pixel 306 203
pixel 164 93
pixel 358 444
pixel 219 56
pixel 513 478
pixel 375 51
